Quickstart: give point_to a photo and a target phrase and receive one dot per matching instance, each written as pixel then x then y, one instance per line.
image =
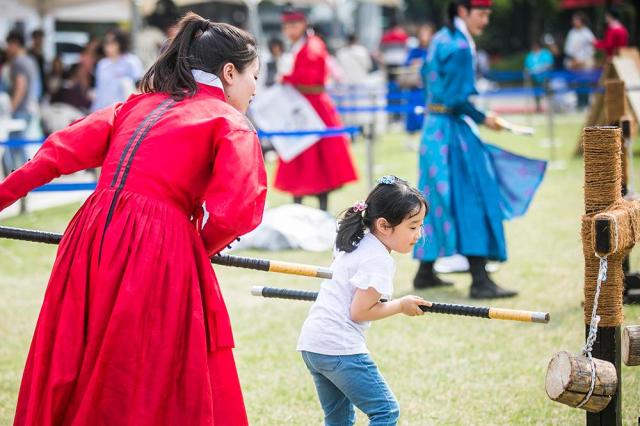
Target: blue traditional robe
pixel 471 187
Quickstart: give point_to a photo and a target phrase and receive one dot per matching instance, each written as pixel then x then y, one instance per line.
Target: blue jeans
pixel 347 380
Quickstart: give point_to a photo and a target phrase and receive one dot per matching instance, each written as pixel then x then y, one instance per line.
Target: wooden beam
pixel 605 229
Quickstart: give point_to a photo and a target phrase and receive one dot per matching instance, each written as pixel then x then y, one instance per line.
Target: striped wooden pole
pixel 222 259
pixel 436 308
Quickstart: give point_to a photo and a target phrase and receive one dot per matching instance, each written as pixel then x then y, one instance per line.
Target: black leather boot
pixel 323 201
pixel 482 286
pixel 426 277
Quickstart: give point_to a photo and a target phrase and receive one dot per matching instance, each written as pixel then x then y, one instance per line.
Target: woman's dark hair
pixel 201 45
pixel 614 12
pixel 394 202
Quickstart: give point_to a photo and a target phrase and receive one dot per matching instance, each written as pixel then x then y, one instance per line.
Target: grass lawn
pixel 444 370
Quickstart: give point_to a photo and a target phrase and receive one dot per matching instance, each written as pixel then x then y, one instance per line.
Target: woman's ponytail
pixel 199 44
pixel 173 64
pixel 350 230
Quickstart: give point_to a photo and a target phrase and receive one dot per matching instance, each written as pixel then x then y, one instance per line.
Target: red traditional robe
pixel 133 328
pixel 615 37
pixel 326 165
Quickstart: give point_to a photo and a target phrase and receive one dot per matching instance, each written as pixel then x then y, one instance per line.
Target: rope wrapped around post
pixel 608 233
pixel 436 308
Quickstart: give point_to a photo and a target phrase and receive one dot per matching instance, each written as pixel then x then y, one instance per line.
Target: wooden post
pixel 615 105
pixel 614 101
pixel 631 345
pixel 602 158
pixel 614 109
pixel 607 229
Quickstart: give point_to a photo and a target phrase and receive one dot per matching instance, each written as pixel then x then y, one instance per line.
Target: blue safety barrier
pixel 261 133
pixel 397 109
pixel 90 186
pixel 391 95
pixel 577 81
pixel 569 76
pixel 504 76
pixel 22 142
pixel 76 186
pixel 296 133
pixel 409 96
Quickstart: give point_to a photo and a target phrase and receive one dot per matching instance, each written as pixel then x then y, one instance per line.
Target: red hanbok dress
pixel 327 164
pixel 133 328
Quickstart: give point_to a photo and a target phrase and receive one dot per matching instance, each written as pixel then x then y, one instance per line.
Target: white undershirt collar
pixel 207 78
pixel 462 27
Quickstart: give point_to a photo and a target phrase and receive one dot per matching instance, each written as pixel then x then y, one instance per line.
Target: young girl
pixel 133 328
pixel 332 339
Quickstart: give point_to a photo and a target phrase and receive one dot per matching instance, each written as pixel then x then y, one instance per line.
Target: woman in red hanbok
pixel 133 328
pixel 327 164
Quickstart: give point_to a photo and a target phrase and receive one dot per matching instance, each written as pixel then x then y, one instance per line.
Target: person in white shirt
pixel 579 51
pixel 118 73
pixel 355 61
pixel 332 340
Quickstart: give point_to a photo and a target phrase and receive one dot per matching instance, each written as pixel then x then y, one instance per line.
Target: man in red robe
pixel 327 164
pixel 615 36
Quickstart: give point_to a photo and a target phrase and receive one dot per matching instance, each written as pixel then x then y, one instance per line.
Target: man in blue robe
pixel 472 187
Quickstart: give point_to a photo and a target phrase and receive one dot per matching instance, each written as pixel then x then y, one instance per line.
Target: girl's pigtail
pixel 351 229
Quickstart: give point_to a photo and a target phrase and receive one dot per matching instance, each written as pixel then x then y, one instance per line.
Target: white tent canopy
pixel 43 13
pixel 49 6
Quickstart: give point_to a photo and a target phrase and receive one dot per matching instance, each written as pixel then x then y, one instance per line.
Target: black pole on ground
pixel 220 259
pixel 436 308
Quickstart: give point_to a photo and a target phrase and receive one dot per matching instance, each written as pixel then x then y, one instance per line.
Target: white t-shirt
pixel 328 329
pixel 116 79
pixel 579 46
pixel 355 62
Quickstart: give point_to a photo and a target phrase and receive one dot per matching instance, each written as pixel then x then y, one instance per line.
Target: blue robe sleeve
pixel 459 68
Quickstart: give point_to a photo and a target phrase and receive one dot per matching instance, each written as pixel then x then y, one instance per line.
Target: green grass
pixel 444 370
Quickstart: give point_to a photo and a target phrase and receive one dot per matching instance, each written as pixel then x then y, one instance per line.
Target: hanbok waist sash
pixel 438 109
pixel 310 89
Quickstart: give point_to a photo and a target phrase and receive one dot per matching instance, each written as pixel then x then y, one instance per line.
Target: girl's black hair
pixel 199 44
pixel 394 202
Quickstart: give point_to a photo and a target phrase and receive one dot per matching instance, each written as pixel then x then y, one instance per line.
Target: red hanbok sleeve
pixel 82 145
pixel 608 43
pixel 236 194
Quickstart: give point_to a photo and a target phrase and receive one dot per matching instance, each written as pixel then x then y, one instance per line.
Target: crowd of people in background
pixel 48 96
pixel 577 54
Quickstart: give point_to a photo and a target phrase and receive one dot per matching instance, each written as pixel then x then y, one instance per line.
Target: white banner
pixel 282 108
